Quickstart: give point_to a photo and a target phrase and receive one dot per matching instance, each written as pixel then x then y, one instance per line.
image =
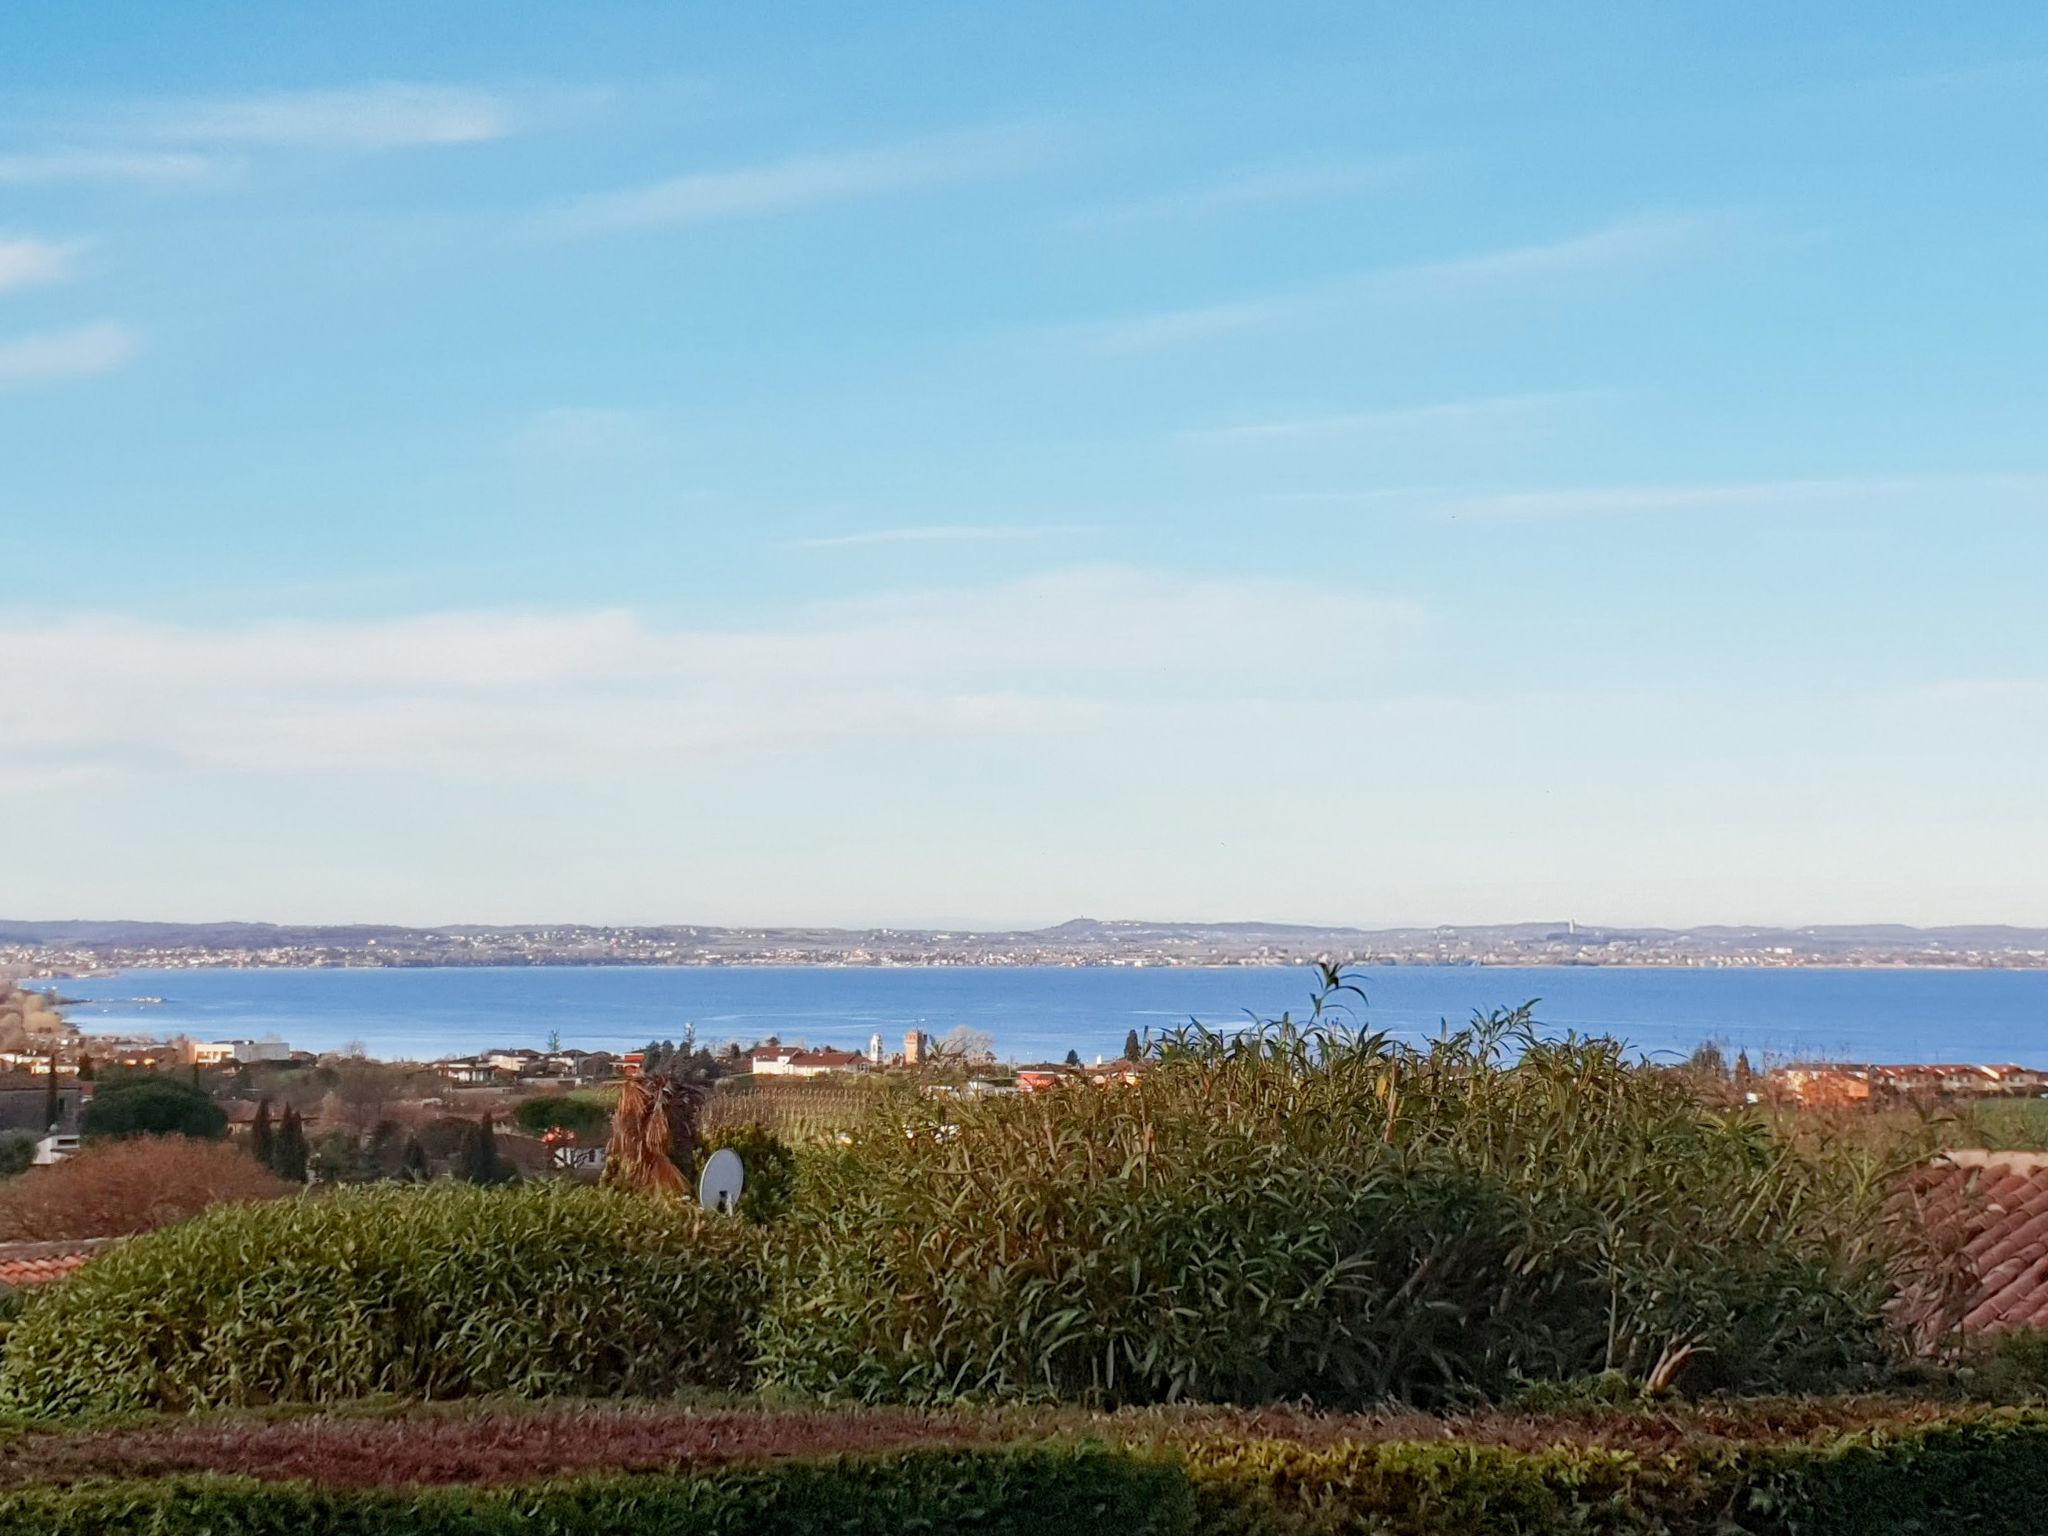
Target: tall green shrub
pixel 1306 1210
pixel 154 1106
pixel 770 1167
pixel 438 1291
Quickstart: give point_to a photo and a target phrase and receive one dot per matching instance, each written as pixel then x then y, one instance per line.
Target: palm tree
pixel 654 1133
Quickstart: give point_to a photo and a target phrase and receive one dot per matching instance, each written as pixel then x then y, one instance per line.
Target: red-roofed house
pixel 785 1062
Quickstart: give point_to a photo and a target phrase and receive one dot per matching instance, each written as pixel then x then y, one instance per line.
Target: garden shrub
pixel 153 1106
pixel 1310 1212
pixel 17 1152
pixel 770 1168
pixel 583 1116
pixel 424 1291
pixel 114 1188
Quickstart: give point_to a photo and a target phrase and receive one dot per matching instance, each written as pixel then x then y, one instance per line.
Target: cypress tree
pixel 262 1138
pixel 480 1154
pixel 1073 1058
pixel 1132 1049
pixel 412 1167
pixel 290 1153
pixel 53 1105
pixel 85 1069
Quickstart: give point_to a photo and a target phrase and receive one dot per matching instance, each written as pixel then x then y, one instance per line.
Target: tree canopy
pixel 154 1106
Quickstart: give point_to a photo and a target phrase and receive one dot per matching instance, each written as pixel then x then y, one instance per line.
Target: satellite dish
pixel 719 1185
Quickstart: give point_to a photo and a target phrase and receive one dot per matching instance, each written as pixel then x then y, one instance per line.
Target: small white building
pixel 216 1053
pixel 786 1062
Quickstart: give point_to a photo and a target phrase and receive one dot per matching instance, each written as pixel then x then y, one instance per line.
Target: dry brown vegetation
pixel 26 1018
pixel 114 1188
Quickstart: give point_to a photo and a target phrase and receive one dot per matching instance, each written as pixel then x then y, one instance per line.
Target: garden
pixel 1291 1278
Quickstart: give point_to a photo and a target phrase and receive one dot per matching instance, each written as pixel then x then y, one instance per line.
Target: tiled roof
pixel 39 1263
pixel 1990 1211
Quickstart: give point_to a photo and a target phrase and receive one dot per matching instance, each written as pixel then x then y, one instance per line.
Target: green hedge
pixel 433 1292
pixel 1987 1476
pixel 1028 1492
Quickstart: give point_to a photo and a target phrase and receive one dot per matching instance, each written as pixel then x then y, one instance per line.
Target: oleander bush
pixel 423 1291
pixel 1306 1210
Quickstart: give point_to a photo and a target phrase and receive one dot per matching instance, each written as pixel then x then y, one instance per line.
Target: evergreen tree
pixel 413 1166
pixel 1132 1049
pixel 53 1105
pixel 263 1138
pixel 480 1154
pixel 290 1153
pixel 85 1069
pixel 1073 1058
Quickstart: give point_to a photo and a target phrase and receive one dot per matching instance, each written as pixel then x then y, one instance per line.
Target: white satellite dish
pixel 719 1185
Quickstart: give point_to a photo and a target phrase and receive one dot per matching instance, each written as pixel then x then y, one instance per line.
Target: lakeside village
pixel 54 951
pixel 548 1110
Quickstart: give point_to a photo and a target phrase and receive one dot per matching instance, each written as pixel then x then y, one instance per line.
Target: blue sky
pixel 952 464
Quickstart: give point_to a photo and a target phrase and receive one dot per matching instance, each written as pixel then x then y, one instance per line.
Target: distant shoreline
pixel 1361 963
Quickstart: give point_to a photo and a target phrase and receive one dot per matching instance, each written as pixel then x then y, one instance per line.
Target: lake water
pixel 1039 1013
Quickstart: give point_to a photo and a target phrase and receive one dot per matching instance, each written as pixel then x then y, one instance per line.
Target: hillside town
pixel 56 950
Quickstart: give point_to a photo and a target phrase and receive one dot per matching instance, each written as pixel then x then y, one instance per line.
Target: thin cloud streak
pixel 141 167
pixel 35 261
pixel 1626 500
pixel 951 533
pixel 800 181
pixel 80 352
pixel 1484 412
pixel 1273 186
pixel 1620 245
pixel 380 116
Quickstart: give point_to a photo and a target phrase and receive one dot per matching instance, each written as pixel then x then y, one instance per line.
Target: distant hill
pixel 1076 933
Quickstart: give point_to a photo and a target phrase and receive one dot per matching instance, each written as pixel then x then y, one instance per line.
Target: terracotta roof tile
pixel 39 1263
pixel 1998 1207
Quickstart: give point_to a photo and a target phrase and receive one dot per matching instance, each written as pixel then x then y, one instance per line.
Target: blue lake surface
pixel 1036 1013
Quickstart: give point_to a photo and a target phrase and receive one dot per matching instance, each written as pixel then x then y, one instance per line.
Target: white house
pixel 215 1053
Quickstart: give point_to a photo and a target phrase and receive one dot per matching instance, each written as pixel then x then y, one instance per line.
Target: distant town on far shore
pixel 78 948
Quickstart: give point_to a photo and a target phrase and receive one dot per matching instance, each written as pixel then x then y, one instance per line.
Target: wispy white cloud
pixel 142 167
pixel 1618 246
pixel 35 261
pixel 83 350
pixel 386 115
pixel 577 694
pixel 802 181
pixel 1487 413
pixel 1873 492
pixel 1647 240
pixel 579 432
pixel 1269 186
pixel 943 533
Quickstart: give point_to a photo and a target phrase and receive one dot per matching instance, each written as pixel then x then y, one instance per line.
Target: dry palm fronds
pixel 637 1156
